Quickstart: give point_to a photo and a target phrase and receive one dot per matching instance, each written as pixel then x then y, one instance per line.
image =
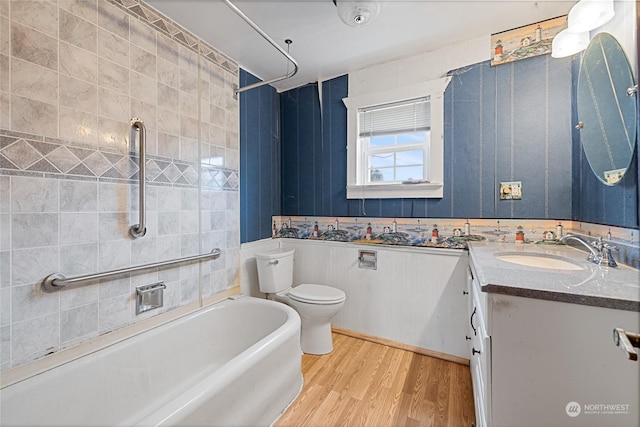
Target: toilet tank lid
pixel 275 253
pixel 319 293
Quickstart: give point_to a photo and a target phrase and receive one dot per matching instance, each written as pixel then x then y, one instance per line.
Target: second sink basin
pixel 551 262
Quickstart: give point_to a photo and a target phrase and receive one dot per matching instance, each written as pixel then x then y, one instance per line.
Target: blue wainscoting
pixel 314 172
pixel 505 123
pixel 260 163
pixel 513 122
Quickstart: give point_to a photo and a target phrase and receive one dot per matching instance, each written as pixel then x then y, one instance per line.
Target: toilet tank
pixel 275 270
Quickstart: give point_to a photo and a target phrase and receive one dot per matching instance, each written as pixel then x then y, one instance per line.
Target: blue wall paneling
pixel 260 163
pixel 513 122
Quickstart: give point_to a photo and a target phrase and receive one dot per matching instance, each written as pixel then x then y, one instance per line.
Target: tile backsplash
pixel 73 74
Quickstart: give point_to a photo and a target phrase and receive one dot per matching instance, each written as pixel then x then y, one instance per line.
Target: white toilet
pixel 316 304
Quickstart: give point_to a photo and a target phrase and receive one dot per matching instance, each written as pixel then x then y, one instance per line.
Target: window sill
pixel 432 190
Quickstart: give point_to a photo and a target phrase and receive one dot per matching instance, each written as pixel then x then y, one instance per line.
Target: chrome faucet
pixel 600 252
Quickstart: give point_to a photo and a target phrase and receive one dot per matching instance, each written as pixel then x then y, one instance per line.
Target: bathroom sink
pixel 551 262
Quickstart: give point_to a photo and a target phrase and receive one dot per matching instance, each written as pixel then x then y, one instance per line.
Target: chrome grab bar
pixel 246 19
pixel 140 229
pixel 57 281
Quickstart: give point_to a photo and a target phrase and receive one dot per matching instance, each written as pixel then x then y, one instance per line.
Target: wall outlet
pixel 511 190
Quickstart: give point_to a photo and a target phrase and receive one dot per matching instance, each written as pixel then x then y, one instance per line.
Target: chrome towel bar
pixel 140 229
pixel 57 281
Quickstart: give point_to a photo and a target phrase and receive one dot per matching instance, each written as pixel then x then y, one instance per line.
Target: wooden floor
pixel 367 384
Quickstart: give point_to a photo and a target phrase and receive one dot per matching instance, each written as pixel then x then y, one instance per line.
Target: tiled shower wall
pixel 72 75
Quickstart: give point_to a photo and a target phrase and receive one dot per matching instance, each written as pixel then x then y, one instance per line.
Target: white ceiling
pixel 325 47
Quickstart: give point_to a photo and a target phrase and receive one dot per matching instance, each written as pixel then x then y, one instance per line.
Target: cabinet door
pixel 555 364
pixel 480 356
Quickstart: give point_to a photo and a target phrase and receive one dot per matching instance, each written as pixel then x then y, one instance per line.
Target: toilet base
pixel 315 331
pixel 315 338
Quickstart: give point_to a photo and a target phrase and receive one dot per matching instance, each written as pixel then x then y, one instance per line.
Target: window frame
pixel 433 89
pixel 364 165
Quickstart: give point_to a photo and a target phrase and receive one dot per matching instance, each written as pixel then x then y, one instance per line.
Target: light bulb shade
pixel 587 15
pixel 357 13
pixel 566 43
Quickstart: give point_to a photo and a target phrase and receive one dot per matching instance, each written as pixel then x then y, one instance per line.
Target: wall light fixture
pixel 584 16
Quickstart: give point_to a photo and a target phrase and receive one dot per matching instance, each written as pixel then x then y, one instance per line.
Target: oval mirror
pixel 607 108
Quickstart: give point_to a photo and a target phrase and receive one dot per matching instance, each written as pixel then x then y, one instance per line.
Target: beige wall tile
pixel 78 126
pixel 4 7
pixel 29 230
pixel 147 113
pixel 33 81
pixel 78 94
pixel 113 105
pixel 77 71
pixel 23 110
pixel 188 105
pixel 78 32
pixel 217 136
pixel 143 88
pixel 86 9
pixel 5 79
pixel 113 48
pixel 113 19
pixel 5 35
pixel 189 127
pixel 34 46
pixel 78 63
pixel 33 195
pixel 168 121
pixel 217 96
pixel 188 82
pixel 113 134
pixel 113 76
pixel 168 73
pixel 168 97
pixel 188 60
pixel 168 146
pixel 35 338
pixel 168 49
pixel 5 110
pixel 143 36
pixel 143 61
pixel 37 14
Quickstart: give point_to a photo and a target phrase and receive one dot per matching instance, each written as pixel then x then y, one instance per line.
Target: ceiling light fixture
pixel 584 16
pixel 587 15
pixel 566 43
pixel 357 13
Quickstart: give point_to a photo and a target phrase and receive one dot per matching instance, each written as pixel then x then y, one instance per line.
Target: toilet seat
pixel 316 294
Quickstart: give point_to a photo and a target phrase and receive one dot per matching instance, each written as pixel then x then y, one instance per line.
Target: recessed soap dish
pixel 149 297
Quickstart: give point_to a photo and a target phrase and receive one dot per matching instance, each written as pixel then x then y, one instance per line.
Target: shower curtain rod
pixel 237 90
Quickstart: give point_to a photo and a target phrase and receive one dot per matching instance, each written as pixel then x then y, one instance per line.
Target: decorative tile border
pixel 154 18
pixel 26 153
pixel 452 233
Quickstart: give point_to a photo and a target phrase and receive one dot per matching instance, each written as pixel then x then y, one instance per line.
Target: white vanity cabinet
pixel 550 358
pixel 479 351
pixel 538 362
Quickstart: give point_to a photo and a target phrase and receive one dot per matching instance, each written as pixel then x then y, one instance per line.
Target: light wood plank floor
pixel 367 384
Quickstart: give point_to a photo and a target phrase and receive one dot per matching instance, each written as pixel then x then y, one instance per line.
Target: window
pixel 395 142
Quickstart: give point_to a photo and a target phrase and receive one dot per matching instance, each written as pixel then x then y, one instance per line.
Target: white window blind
pixel 397 117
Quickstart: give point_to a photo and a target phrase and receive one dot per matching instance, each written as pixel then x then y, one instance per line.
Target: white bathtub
pixel 237 362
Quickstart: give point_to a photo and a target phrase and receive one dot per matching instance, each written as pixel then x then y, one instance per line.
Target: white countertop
pixel 595 285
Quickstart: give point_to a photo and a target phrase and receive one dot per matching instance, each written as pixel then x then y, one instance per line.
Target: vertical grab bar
pixel 140 229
